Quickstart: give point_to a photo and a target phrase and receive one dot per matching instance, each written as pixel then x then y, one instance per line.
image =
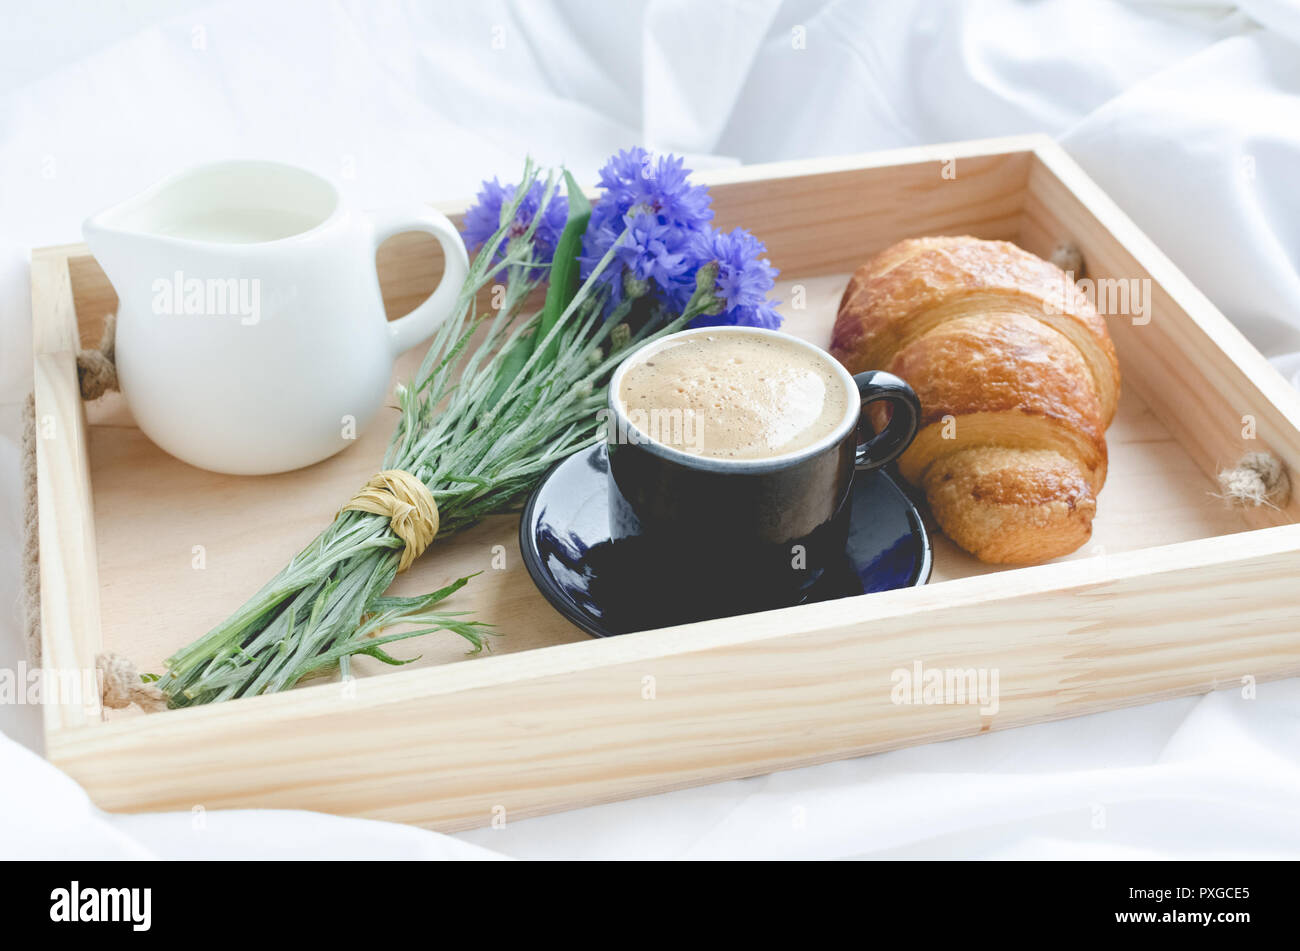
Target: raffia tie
pixel 411 510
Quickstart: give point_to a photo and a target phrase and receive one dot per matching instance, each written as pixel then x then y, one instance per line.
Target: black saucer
pixel 564 536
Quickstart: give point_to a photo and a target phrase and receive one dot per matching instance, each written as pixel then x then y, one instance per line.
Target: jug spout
pixel 223 203
pixel 134 260
pixel 113 246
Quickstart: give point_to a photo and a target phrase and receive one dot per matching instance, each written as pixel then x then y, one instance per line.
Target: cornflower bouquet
pixel 479 424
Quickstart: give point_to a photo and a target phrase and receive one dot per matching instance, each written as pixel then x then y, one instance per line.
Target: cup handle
pixel 889 443
pixel 419 324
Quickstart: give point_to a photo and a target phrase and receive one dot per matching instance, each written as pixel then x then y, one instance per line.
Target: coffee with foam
pixel 742 395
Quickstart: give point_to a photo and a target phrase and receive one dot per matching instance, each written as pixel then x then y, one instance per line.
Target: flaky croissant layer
pixel 1017 379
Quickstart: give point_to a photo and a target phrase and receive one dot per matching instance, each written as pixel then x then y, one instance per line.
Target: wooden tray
pixel 1176 594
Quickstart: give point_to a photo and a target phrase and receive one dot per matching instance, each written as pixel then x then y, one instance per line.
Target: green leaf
pixel 411 604
pixel 379 653
pixel 564 266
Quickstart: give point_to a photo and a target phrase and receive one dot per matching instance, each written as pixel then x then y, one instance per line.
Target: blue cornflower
pixel 666 237
pixel 484 218
pixel 654 197
pixel 634 178
pixel 651 251
pixel 744 278
pixel 595 243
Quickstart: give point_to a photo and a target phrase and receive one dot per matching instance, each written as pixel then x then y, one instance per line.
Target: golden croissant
pixel 1017 379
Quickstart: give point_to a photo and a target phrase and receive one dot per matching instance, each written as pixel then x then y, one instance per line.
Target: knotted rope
pixel 97 369
pixel 1069 259
pixel 122 685
pixel 1257 479
pixel 411 510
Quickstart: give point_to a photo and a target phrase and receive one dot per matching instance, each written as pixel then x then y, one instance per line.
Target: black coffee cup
pixel 727 536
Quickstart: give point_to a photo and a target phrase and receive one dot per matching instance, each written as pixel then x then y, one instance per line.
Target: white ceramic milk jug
pixel 251 335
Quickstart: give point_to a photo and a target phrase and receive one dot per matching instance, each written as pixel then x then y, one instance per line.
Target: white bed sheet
pixel 1188 114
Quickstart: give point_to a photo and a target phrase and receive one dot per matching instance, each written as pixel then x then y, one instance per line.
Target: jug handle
pixel 419 324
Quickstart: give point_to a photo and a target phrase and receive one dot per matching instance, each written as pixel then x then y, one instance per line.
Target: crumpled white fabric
pixel 1187 113
pixel 45 815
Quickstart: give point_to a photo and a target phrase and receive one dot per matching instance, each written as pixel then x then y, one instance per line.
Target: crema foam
pixel 751 396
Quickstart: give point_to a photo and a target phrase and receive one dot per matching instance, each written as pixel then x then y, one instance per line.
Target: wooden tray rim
pixel 69 575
